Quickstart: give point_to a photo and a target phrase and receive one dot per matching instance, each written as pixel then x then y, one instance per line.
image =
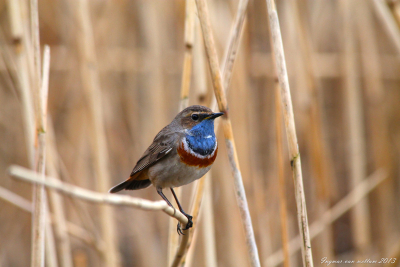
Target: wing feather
pixel 161 146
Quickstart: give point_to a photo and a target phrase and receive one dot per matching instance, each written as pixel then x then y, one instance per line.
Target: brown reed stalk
pixel 230 57
pixel 330 216
pixel 187 63
pixel 395 8
pixel 21 43
pixel 383 13
pixel 231 51
pixel 56 200
pixel 280 66
pixel 91 87
pixel 71 228
pixel 180 256
pixel 21 48
pixel 200 191
pixel 316 141
pixel 233 44
pixel 188 237
pixel 189 256
pixel 281 175
pixel 15 199
pixel 208 226
pixel 229 139
pixel 184 103
pixel 85 237
pixel 377 123
pixel 95 197
pixel 361 228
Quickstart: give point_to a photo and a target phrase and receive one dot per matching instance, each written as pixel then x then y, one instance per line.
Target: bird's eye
pixel 195 117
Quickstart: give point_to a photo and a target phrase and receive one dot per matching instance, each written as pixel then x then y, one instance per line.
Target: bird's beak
pixel 214 115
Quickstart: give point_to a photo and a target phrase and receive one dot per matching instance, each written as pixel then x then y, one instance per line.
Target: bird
pixel 182 152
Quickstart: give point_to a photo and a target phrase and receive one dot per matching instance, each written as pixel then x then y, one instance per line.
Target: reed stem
pixel 184 103
pixel 330 216
pixel 95 197
pixel 280 66
pixel 229 139
pixel 281 174
pixel 91 86
pixel 40 103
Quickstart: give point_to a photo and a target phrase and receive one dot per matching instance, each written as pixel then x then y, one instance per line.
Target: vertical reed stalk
pixel 376 122
pixel 320 156
pixel 280 66
pixel 200 189
pixel 230 57
pixel 184 103
pixel 91 87
pixel 330 216
pixel 383 13
pixel 57 201
pixel 188 237
pixel 395 8
pixel 187 63
pixel 229 139
pixel 20 41
pixel 208 226
pixel 281 174
pixel 361 228
pixel 40 101
pixel 232 48
pixel 50 247
pixel 30 106
pixel 233 44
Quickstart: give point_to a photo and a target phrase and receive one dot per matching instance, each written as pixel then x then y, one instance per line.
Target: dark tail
pixel 130 185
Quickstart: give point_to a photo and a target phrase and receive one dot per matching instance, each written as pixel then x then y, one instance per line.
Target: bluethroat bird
pixel 181 153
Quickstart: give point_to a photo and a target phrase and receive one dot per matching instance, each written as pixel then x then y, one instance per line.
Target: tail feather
pixel 130 185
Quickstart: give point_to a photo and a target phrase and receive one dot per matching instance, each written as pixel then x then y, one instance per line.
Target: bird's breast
pixel 189 153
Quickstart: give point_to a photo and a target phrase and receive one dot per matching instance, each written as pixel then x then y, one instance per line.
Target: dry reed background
pixel 343 60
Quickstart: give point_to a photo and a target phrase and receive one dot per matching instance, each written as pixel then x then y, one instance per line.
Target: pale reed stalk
pixel 331 215
pixel 57 201
pixel 383 13
pixel 95 197
pixel 229 140
pixel 71 228
pixel 281 174
pixel 184 103
pixel 40 102
pixel 188 237
pixel 356 142
pixel 230 57
pixel 91 87
pixel 280 66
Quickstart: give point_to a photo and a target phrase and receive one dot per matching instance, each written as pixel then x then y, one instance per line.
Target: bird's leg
pixel 159 191
pixel 190 222
pixel 179 229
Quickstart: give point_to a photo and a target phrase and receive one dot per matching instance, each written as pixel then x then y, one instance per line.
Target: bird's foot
pixel 188 225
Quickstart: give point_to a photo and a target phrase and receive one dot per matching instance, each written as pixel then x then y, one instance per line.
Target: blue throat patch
pixel 201 138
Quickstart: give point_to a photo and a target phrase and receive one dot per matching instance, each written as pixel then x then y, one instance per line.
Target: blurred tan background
pixel 344 69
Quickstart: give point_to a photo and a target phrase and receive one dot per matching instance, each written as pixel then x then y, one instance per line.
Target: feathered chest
pixel 198 151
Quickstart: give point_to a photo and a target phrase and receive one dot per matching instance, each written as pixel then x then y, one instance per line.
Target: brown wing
pixel 163 143
pixel 153 154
